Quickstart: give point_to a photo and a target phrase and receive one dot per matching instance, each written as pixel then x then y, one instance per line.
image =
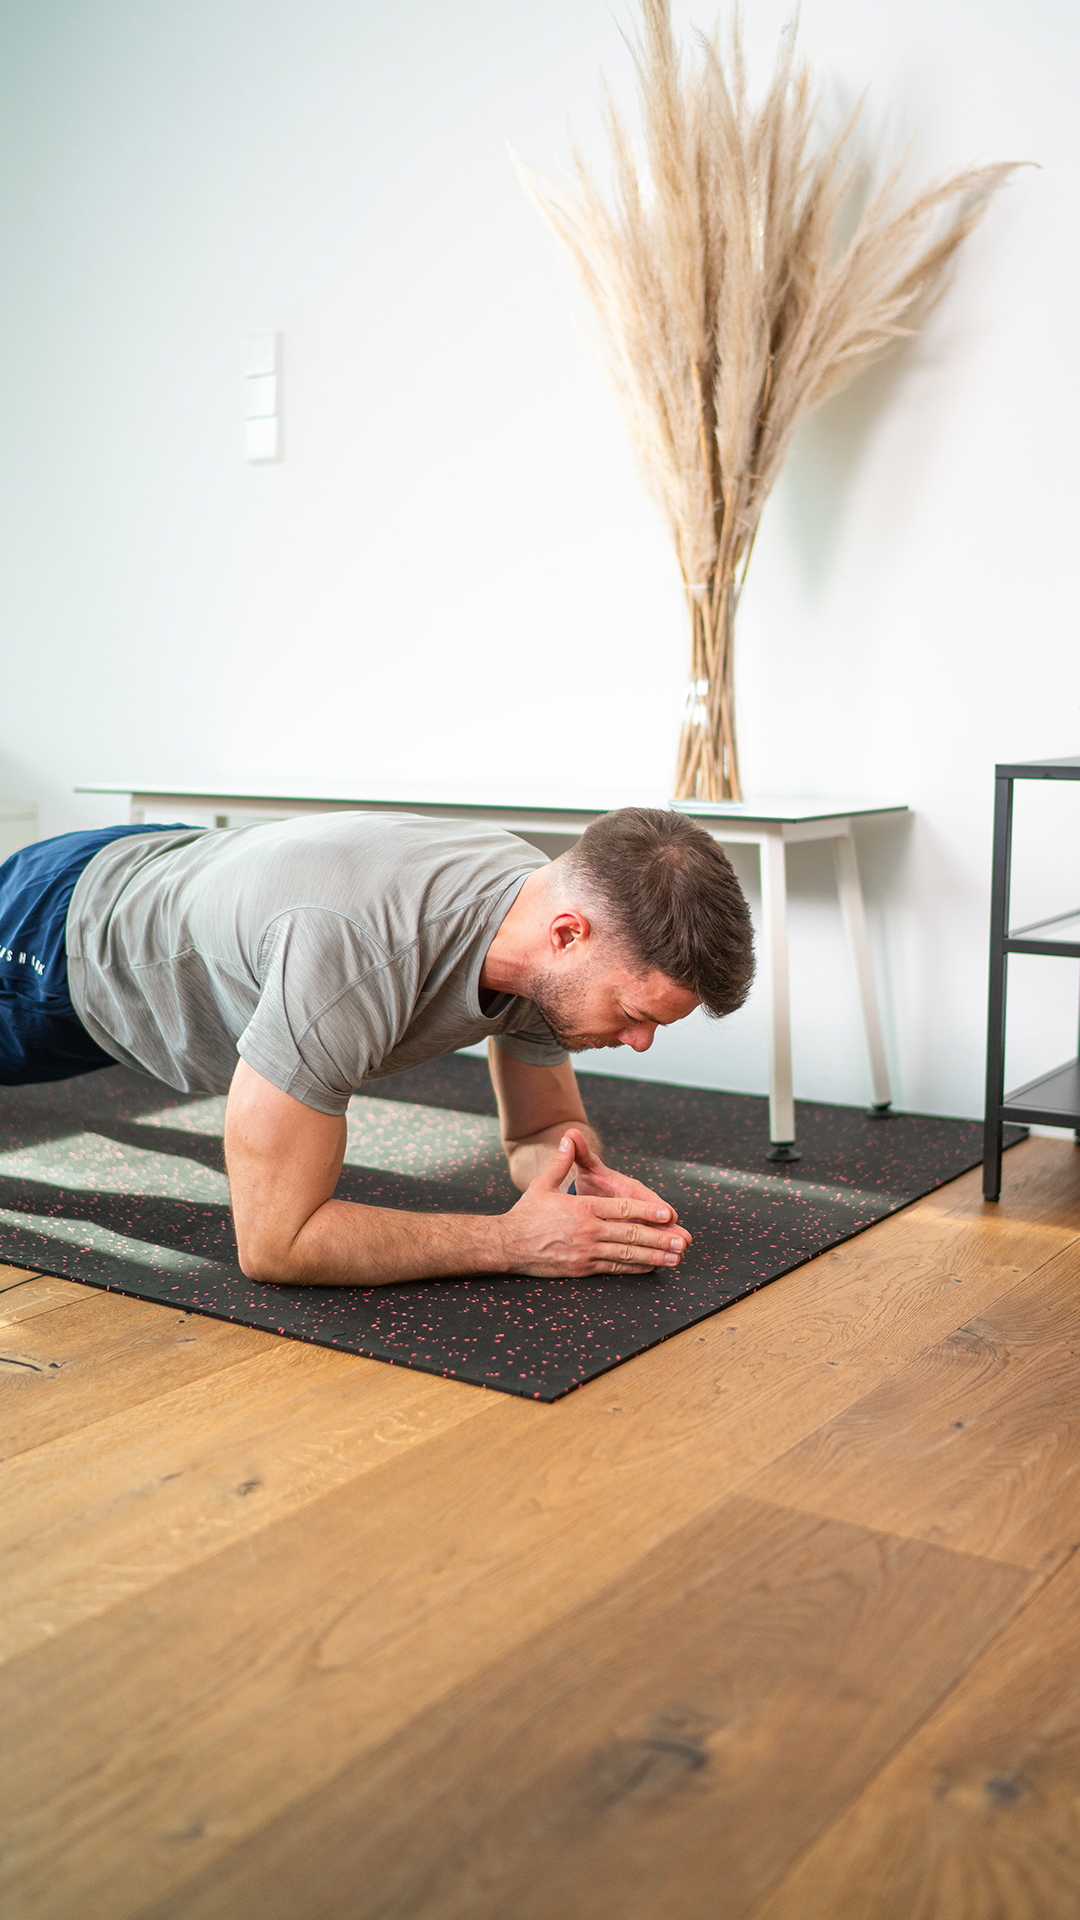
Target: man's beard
pixel 556 1004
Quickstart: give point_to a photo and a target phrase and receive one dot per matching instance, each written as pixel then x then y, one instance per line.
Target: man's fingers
pixel 640 1244
pixel 604 1183
pixel 583 1153
pixel 668 1248
pixel 630 1259
pixel 635 1211
pixel 557 1236
pixel 553 1175
pixel 660 1209
pixel 645 1256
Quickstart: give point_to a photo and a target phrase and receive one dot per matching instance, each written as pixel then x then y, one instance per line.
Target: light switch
pixel 260 353
pixel 262 396
pixel 262 439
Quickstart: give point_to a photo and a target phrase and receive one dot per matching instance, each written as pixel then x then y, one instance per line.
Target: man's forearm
pixel 284 1160
pixel 345 1244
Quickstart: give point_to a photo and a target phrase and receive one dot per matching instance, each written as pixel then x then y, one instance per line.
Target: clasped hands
pixel 612 1224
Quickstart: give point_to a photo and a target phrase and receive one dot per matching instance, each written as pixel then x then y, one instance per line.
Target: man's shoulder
pixel 356 824
pixel 402 851
pixel 386 873
pixel 384 827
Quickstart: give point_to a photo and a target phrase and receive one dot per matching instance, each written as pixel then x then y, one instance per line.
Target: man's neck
pixel 508 961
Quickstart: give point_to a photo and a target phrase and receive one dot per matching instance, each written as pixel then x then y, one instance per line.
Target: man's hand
pixel 618 1227
pixel 593 1179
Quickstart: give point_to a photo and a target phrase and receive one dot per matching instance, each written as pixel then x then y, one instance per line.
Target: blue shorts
pixel 41 1035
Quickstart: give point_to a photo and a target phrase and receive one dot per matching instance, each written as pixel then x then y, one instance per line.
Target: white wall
pixel 454 575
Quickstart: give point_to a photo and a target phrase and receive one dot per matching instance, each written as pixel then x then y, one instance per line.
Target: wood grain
pixel 104 1353
pixel 36 1294
pixel 148 1742
pixel 114 1508
pixel 975 1444
pixel 977 1817
pixel 13 1277
pixel 336 1627
pixel 637 1761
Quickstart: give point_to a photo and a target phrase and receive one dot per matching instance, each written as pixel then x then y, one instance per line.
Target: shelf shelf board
pixel 1053 1100
pixel 1057 949
pixel 1037 938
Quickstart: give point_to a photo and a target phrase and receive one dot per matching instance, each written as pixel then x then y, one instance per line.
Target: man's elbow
pixel 266 1257
pixel 258 1263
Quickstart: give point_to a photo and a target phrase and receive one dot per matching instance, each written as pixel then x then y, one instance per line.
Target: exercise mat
pixel 114 1180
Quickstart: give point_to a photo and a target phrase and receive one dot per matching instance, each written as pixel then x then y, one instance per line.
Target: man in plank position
pixel 332 950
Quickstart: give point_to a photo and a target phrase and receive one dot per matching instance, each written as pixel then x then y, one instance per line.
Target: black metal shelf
pixel 1053 1099
pixel 1068 769
pixel 1065 949
pixel 1067 946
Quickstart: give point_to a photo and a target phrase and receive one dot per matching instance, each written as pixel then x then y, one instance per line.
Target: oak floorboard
pixel 977 1816
pixel 148 1741
pixel 37 1293
pixel 975 1444
pixel 14 1276
pixel 325 1634
pixel 110 1510
pixel 661 1754
pixel 68 1370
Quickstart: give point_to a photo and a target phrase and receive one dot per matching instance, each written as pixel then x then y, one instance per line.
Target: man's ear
pixel 567 930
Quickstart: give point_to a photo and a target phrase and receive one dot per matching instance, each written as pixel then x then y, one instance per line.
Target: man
pixel 332 950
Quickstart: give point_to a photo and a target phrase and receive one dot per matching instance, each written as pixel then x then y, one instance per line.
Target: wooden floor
pixel 780 1620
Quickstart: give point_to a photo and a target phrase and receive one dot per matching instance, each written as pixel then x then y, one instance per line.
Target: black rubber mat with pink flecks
pixel 116 1181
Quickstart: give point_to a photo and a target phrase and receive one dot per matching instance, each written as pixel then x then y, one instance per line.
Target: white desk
pixel 769 825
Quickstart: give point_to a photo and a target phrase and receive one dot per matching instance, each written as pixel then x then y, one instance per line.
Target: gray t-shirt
pixel 326 951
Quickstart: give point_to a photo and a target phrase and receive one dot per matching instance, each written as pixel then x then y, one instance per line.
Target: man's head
pixel 644 920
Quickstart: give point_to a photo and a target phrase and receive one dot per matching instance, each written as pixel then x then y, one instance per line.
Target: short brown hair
pixel 674 901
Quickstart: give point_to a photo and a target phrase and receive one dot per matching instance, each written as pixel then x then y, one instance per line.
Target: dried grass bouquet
pixel 729 309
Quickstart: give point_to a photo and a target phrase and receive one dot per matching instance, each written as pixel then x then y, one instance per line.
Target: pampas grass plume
pixel 728 309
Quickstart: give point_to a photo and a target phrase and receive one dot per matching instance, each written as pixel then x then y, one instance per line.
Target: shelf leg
pixel 995 1038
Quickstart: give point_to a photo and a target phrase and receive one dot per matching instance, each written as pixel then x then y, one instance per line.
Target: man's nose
pixel 640 1038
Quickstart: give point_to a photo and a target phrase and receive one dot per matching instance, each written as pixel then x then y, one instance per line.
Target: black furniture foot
pixel 784 1152
pixel 880 1112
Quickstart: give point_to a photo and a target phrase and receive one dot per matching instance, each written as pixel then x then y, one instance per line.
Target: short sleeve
pixel 527 1037
pixel 319 1027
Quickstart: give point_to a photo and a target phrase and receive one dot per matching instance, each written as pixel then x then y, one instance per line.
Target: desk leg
pixel 775 957
pixel 851 902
